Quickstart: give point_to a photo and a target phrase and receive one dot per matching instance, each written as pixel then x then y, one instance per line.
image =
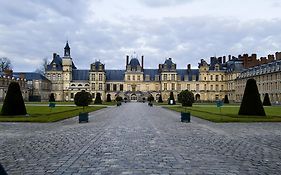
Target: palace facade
pixel 211 81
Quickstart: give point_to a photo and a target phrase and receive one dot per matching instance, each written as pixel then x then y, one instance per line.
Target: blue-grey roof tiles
pixel 29 76
pixel 80 74
pixel 115 75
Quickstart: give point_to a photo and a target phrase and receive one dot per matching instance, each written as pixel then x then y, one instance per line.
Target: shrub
pixel 186 98
pixel 108 98
pixel 150 98
pixel 266 100
pixel 52 98
pixel 160 100
pixel 226 101
pixel 251 102
pixel 98 99
pixel 13 103
pixel 118 98
pixel 171 98
pixel 82 98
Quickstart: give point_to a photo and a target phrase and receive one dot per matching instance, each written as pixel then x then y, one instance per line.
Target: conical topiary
pixel 251 102
pixel 98 99
pixel 108 98
pixel 13 103
pixel 160 100
pixel 266 101
pixel 171 98
pixel 226 101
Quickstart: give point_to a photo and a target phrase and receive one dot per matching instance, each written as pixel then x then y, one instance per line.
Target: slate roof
pixel 115 75
pixel 151 73
pixel 80 74
pixel 134 62
pixel 29 76
pixel 57 59
pixel 183 72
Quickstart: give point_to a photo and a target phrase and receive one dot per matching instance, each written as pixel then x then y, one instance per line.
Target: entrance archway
pixel 197 97
pixel 134 97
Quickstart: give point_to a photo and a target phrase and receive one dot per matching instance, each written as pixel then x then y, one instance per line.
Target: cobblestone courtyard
pixel 138 139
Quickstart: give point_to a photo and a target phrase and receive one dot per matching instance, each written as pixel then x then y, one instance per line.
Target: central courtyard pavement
pixel 138 139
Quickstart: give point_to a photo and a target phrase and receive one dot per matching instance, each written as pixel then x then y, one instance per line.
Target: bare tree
pixel 5 64
pixel 43 66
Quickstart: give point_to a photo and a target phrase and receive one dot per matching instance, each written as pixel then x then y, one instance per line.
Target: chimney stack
pixel 127 59
pixel 54 55
pixel 229 57
pixel 142 58
pixel 224 59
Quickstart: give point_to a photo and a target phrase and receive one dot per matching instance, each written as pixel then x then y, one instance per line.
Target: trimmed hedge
pixel 251 102
pixel 13 103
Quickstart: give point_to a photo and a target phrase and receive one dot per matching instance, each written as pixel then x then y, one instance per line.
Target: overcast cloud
pixel 107 30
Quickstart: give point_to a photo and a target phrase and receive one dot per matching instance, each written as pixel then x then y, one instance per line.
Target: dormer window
pixel 217 67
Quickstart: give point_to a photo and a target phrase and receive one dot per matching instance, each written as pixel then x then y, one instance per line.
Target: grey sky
pixel 186 30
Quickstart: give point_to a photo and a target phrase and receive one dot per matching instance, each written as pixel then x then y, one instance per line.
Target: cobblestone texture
pixel 138 139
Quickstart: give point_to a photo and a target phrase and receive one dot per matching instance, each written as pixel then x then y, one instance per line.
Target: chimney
pixel 270 58
pixel 224 59
pixel 54 55
pixel 188 67
pixel 229 57
pixel 127 59
pixel 254 57
pixel 142 58
pixel 278 55
pixel 8 72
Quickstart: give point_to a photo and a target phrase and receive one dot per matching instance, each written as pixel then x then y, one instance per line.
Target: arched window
pixel 79 84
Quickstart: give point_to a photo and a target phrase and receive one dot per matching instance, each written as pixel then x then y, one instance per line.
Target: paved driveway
pixel 138 139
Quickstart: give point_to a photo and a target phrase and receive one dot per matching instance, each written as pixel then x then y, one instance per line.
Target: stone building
pixel 209 83
pixel 6 78
pixel 268 78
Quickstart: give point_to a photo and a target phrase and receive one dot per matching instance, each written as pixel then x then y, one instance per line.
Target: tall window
pixel 138 77
pixel 205 87
pixel 222 87
pixel 217 87
pixel 173 86
pixel 121 87
pixel 165 77
pixel 129 77
pixel 133 78
pixel 211 78
pixel 107 87
pixel 165 86
pixel 100 77
pixel 179 87
pixel 114 87
pixel 217 77
pixel 93 77
pixel 188 87
pixel 197 87
pixel 173 77
pixel 100 87
pixel 212 88
pixel 93 86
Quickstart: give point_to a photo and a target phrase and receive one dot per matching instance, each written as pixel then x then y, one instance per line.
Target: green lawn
pixel 228 113
pixel 71 103
pixel 44 114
